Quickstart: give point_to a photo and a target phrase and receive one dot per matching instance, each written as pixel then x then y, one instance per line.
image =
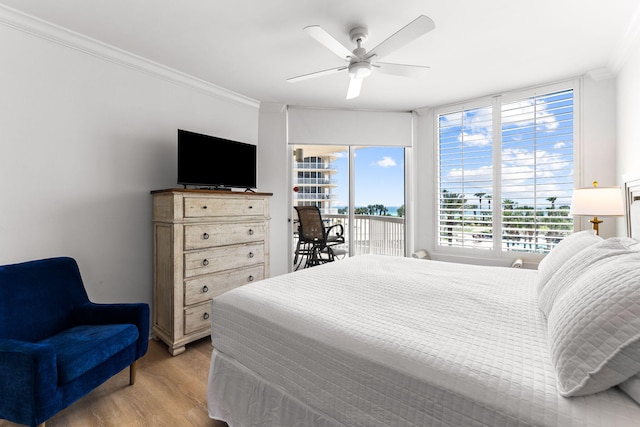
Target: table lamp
pixel 597 201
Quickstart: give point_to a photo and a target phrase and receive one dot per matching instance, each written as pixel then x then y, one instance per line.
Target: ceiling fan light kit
pixel 361 62
pixel 359 69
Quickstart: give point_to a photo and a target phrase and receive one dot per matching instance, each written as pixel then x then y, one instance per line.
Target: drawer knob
pixel 251 232
pixel 205 289
pixel 204 207
pixel 205 262
pixel 205 236
pixel 205 316
pixel 251 278
pixel 251 255
pixel 250 207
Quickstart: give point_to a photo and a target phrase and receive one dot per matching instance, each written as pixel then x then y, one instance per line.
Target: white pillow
pixel 594 327
pixel 567 248
pixel 632 387
pixel 586 258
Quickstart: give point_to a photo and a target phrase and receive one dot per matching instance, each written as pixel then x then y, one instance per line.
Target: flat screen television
pixel 209 161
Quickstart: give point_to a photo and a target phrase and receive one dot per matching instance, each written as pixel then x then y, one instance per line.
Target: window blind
pixel 310 126
pixel 465 174
pixel 537 171
pixel 530 141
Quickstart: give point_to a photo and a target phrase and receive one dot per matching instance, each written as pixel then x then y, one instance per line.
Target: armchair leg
pixel 132 373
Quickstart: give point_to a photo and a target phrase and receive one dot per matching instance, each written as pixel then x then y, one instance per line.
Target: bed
pixel 386 341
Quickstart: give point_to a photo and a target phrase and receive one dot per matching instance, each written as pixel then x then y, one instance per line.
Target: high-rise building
pixel 313 177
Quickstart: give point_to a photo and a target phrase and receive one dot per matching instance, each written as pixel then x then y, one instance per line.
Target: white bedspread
pixel 380 341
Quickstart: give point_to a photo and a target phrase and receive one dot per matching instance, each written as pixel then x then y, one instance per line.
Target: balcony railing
pixel 373 234
pixel 315 196
pixel 318 165
pixel 315 181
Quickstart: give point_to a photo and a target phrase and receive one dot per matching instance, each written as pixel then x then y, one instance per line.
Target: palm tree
pixel 553 205
pixel 480 196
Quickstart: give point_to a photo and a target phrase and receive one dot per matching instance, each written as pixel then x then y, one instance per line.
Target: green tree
pixel 401 211
pixel 378 209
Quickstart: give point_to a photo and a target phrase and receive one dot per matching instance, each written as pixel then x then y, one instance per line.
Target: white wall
pixel 83 140
pixel 599 142
pixel 273 155
pixel 628 117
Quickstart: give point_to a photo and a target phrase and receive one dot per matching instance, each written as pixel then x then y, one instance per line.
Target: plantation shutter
pixel 537 171
pixel 465 178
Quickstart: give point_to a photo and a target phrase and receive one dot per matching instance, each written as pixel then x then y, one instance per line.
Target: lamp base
pixel 596 224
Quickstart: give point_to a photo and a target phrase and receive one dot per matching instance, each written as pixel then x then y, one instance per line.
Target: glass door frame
pixel 408 201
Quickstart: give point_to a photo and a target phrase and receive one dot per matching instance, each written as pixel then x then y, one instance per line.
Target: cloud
pixel 521 114
pixel 559 145
pixel 386 162
pixel 474 139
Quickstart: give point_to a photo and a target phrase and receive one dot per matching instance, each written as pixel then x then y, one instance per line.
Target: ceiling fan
pixel 360 62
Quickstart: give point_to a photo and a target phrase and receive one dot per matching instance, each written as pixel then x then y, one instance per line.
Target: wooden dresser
pixel 205 242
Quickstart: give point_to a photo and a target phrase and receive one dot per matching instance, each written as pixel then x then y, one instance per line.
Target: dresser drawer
pixel 210 286
pixel 199 207
pixel 197 317
pixel 199 236
pixel 223 258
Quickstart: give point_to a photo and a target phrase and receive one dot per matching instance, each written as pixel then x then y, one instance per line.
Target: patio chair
pixel 316 243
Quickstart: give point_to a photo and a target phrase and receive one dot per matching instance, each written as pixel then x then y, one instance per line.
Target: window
pixel 522 205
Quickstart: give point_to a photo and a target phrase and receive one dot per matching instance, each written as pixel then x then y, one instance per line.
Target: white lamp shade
pixel 597 201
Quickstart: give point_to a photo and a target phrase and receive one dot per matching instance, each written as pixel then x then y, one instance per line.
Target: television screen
pixel 210 161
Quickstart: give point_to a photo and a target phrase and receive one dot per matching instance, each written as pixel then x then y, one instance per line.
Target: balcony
pixel 373 234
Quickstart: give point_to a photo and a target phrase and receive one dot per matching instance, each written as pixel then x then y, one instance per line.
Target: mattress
pixel 384 341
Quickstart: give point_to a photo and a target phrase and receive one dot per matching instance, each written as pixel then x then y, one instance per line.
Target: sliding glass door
pixel 369 179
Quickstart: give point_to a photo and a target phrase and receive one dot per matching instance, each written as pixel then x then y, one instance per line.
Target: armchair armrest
pixel 103 314
pixel 28 378
pixel 338 229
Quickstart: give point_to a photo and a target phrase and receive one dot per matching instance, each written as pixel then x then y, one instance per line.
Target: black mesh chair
pixel 315 241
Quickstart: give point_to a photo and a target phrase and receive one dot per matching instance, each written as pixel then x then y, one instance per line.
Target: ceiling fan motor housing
pixel 358 34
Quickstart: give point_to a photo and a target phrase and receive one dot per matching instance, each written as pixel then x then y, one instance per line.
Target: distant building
pixel 313 177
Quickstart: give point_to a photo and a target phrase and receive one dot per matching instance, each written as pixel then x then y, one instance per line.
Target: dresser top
pixel 203 191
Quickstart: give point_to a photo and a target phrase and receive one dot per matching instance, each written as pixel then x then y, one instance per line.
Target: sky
pixel 379 177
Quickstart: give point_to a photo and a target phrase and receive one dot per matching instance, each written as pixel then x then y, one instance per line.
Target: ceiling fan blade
pixel 328 41
pixel 415 71
pixel 416 28
pixel 316 74
pixel 354 88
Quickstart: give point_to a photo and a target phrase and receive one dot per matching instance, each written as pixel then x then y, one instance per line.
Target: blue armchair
pixel 56 345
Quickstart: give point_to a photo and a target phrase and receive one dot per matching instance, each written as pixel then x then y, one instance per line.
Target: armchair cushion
pixel 82 348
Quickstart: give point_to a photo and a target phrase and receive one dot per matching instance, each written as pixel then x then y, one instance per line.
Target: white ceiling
pixel 479 47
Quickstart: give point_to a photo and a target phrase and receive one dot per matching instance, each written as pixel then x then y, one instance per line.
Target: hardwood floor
pixel 169 391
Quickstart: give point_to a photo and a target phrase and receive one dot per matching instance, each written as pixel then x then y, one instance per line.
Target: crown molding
pixel 601 74
pixel 630 41
pixel 34 26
